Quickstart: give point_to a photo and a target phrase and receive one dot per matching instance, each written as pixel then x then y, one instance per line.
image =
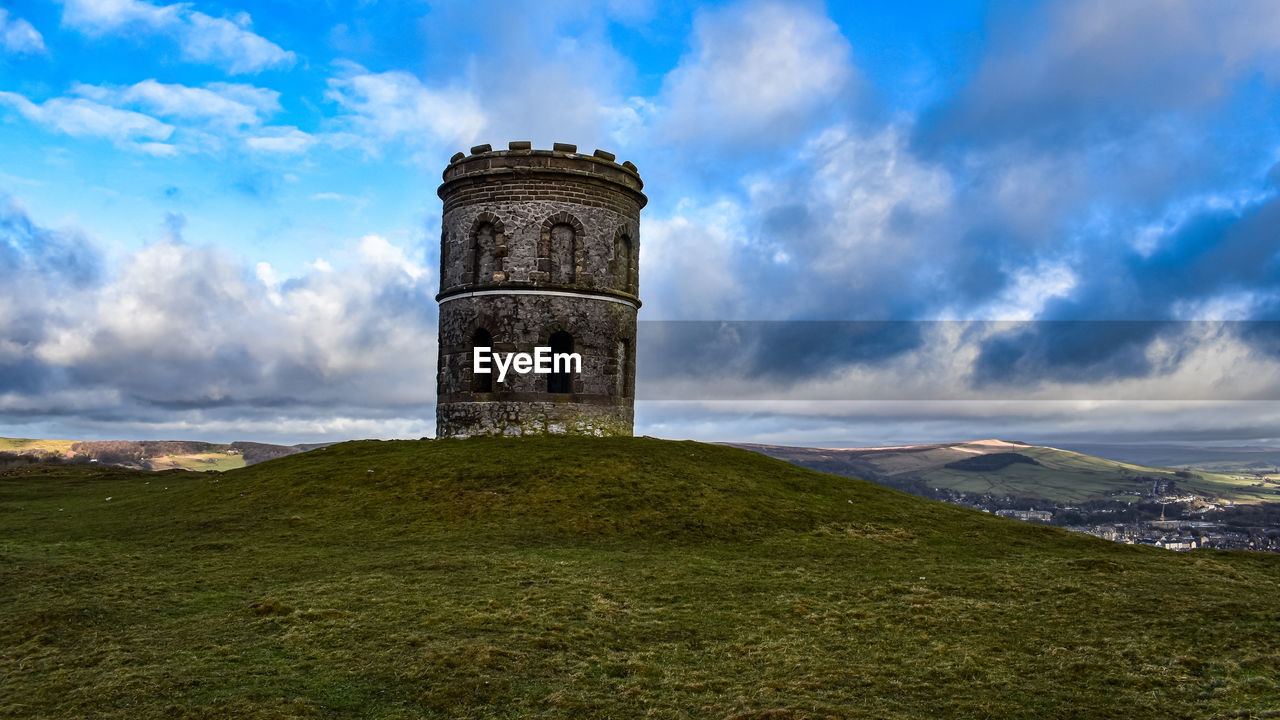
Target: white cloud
pixel 97 17
pixel 283 140
pixel 79 117
pixel 864 181
pixel 200 119
pixel 860 216
pixel 18 37
pixel 688 263
pixel 358 337
pixel 226 43
pixel 547 76
pixel 377 251
pixel 157 149
pixel 226 105
pixel 759 72
pixel 1030 289
pixel 396 106
pixel 221 42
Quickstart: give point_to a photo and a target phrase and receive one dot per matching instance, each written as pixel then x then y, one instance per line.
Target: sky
pixel 869 223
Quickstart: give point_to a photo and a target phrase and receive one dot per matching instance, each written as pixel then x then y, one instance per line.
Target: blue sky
pixel 219 220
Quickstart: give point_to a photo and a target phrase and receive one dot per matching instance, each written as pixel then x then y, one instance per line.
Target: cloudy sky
pixel 868 224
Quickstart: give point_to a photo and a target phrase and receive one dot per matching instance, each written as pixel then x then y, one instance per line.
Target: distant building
pixel 1031 515
pixel 1178 543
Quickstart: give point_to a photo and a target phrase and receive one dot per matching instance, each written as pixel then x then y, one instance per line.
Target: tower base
pixel 467 419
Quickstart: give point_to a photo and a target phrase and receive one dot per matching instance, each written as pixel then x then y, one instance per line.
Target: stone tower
pixel 539 248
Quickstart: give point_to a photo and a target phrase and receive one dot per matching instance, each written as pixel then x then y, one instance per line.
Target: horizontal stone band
pixel 550 293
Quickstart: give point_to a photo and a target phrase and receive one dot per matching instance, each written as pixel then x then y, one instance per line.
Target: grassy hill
pixel 609 578
pixel 1044 472
pixel 1232 460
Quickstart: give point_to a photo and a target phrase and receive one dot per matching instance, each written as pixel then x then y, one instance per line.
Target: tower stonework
pixel 539 248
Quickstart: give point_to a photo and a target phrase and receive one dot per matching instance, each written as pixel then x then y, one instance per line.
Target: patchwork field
pixel 595 578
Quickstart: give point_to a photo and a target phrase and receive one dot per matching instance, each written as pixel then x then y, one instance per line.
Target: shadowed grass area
pixel 577 577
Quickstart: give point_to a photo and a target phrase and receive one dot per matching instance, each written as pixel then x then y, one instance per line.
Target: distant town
pixel 1176 508
pixel 1162 518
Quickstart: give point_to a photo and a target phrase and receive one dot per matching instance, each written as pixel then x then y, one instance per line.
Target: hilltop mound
pixel 580 577
pixel 605 486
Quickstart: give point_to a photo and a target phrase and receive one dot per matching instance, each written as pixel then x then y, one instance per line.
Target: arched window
pixel 559 245
pixel 481 382
pixel 564 253
pixel 560 380
pixel 483 246
pixel 622 262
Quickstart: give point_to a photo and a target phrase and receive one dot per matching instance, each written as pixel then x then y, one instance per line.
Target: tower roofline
pixel 563 159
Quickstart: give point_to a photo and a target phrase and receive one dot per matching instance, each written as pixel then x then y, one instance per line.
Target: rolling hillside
pixel 143 455
pixel 1240 459
pixel 595 578
pixel 1034 471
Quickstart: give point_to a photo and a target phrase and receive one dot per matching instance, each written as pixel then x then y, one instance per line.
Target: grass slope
pixel 572 577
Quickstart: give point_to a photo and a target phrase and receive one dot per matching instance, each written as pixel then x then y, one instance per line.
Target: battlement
pixel 521 158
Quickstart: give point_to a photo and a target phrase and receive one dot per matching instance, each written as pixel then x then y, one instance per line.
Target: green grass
pixel 605 578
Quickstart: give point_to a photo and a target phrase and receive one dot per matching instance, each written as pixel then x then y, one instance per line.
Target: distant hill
pixel 254 453
pixel 144 454
pixel 596 578
pixel 1235 459
pixel 1010 468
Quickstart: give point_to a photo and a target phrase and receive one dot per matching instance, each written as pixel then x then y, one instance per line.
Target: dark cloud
pixel 868 424
pixel 1083 352
pixel 1065 71
pixel 1106 326
pixel 58 256
pixel 43 272
pixel 773 356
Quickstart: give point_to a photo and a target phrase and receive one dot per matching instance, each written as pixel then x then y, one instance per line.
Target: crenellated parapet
pixel 520 157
